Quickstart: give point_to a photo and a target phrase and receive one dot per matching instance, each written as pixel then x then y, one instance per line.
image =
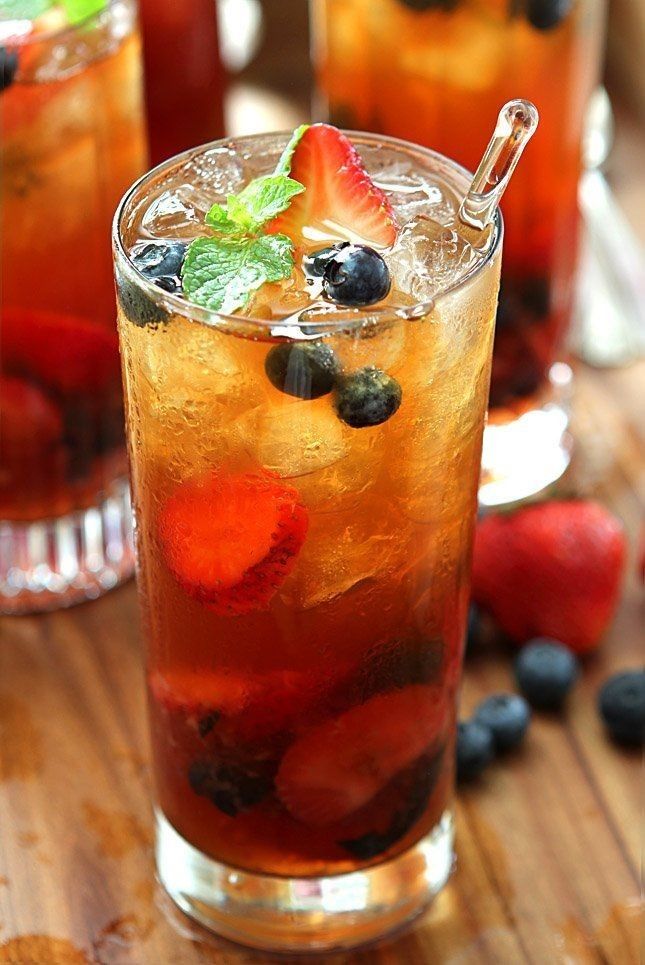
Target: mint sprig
pixel 222 272
pixel 76 10
pixel 79 10
pixel 23 9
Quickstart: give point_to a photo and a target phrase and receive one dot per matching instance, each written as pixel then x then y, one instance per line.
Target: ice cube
pixel 295 438
pixel 213 175
pixel 347 551
pixel 176 213
pixel 428 258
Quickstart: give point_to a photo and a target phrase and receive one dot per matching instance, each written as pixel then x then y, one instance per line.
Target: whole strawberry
pixel 551 570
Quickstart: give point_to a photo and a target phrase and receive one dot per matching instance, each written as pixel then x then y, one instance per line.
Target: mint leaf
pixel 260 201
pixel 284 164
pixel 23 9
pixel 78 10
pixel 266 197
pixel 218 219
pixel 240 214
pixel 221 273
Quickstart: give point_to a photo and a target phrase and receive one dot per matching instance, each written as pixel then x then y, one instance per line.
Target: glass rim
pixel 176 305
pixel 58 33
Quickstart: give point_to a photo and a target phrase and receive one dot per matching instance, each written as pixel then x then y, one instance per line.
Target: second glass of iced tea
pixel 428 70
pixel 304 578
pixel 72 139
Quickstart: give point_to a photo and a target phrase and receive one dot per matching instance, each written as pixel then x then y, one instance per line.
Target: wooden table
pixel 548 843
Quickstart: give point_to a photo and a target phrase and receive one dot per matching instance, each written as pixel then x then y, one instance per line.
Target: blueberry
pixel 621 703
pixel 8 67
pixel 367 398
pixel 139 309
pixel 475 749
pixel 507 716
pixel 160 262
pixel 306 370
pixel 547 14
pixel 229 787
pixel 315 263
pixel 425 775
pixel 546 671
pixel 356 275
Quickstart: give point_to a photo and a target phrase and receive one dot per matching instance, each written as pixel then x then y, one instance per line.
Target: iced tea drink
pixel 305 474
pixel 72 140
pixel 427 70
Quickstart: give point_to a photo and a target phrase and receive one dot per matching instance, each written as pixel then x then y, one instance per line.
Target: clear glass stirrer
pixel 516 124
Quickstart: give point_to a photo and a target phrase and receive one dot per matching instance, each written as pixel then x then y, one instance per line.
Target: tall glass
pixel 184 75
pixel 72 140
pixel 303 721
pixel 428 70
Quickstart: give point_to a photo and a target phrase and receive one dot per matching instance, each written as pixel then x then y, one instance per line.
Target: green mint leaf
pixel 222 273
pixel 266 197
pixel 218 219
pixel 79 10
pixel 23 9
pixel 284 164
pixel 240 214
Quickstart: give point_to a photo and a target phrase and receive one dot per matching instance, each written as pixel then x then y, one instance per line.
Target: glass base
pixel 304 914
pixel 55 563
pixel 523 457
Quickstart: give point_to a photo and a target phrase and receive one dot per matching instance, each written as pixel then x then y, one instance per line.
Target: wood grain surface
pixel 549 843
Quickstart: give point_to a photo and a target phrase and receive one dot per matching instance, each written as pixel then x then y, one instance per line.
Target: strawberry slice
pixel 340 765
pixel 248 708
pixel 340 201
pixel 193 692
pixel 230 542
pixel 68 354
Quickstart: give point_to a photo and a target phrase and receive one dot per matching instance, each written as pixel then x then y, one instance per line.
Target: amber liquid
pixel 71 144
pixel 439 77
pixel 372 610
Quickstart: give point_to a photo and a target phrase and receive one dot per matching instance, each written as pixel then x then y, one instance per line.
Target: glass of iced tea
pixel 72 140
pixel 305 441
pixel 427 70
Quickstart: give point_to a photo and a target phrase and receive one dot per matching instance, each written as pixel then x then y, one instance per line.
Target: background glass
pixel 431 70
pixel 72 140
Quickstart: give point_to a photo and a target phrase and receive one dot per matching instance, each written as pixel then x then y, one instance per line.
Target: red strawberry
pixel 340 199
pixel 66 353
pixel 194 692
pixel 30 424
pixel 341 764
pixel 232 541
pixel 551 570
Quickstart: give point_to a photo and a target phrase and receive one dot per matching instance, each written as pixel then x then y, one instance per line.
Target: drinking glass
pixel 431 70
pixel 72 140
pixel 303 720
